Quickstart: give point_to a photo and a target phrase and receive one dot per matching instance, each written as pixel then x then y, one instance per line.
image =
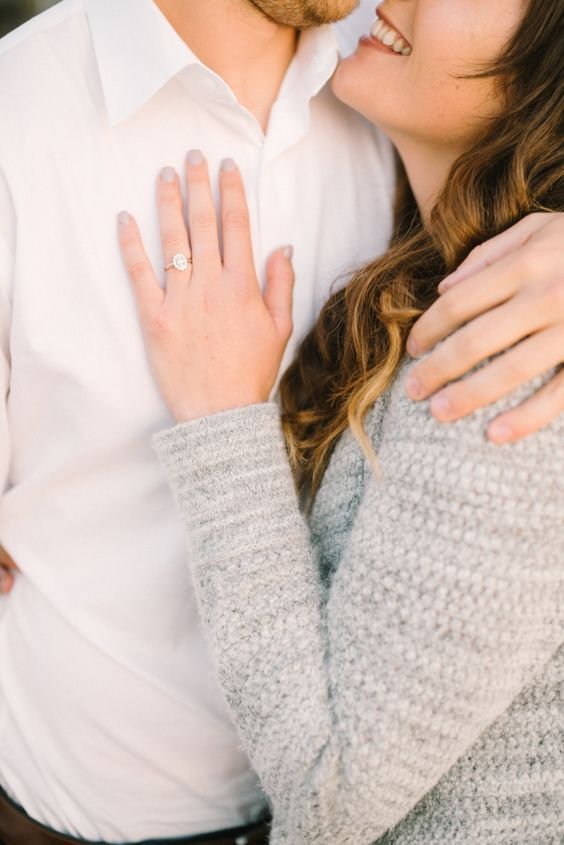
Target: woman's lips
pixel 385 33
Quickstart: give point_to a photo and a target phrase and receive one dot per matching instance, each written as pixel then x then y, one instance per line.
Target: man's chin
pixel 304 14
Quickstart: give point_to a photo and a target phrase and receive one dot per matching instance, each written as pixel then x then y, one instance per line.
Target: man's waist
pixel 19 828
pixel 150 782
pixel 75 720
pixel 112 814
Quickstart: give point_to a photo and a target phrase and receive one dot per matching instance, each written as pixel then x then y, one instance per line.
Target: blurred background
pixel 15 12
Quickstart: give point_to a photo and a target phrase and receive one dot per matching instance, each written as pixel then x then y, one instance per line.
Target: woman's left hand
pixel 507 297
pixel 214 341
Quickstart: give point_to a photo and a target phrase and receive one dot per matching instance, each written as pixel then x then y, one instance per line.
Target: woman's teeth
pixel 388 36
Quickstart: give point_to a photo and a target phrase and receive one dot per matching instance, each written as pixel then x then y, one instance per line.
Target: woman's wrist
pixel 188 412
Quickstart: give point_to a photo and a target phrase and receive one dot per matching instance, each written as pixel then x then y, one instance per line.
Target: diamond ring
pixel 179 262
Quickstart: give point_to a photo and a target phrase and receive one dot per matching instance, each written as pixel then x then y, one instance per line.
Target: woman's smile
pixel 434 95
pixel 383 34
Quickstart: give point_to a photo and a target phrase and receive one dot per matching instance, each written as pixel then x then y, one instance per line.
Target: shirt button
pixel 242 840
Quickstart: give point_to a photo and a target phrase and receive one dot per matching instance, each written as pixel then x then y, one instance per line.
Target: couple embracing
pixel 267 579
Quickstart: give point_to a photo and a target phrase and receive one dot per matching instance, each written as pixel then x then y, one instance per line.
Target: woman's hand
pixel 214 341
pixel 507 295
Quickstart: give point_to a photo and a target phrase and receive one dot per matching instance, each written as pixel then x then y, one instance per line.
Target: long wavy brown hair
pixel 353 352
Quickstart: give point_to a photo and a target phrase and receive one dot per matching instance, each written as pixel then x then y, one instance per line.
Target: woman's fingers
pixel 502 245
pixel 534 356
pixel 202 218
pixel 478 340
pixel 526 257
pixel 149 295
pixel 278 293
pixel 463 302
pixel 174 236
pixel 236 228
pixel 536 413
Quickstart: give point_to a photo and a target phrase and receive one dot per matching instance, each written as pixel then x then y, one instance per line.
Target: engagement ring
pixel 179 262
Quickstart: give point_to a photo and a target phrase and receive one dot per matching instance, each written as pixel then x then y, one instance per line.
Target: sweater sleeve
pixel 447 602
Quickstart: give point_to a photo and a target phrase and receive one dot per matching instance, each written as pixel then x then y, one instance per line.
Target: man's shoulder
pixel 33 56
pixel 19 39
pixel 36 61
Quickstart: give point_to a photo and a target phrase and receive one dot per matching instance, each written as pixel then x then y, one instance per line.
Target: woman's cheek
pixel 364 88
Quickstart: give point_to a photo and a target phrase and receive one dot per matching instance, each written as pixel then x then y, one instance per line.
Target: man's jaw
pixel 305 17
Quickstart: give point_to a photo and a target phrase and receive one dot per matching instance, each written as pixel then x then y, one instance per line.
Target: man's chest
pixel 75 331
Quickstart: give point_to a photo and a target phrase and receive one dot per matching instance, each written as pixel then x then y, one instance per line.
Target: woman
pixel 395 667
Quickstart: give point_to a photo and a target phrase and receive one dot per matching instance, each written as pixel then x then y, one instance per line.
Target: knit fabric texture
pixel 395 663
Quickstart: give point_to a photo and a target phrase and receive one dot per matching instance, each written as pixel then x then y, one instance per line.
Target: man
pixel 113 727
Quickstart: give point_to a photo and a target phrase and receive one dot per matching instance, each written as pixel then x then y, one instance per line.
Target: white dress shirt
pixel 112 723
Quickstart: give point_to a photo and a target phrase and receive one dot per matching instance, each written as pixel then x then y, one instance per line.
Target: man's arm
pixel 507 295
pixel 7 244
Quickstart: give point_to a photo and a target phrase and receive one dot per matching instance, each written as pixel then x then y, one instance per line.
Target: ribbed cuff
pixel 231 477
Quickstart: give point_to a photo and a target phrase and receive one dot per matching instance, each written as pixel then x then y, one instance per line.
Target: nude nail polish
pixel 441 407
pixel 168 174
pixel 194 157
pixel 412 348
pixel 500 433
pixel 413 388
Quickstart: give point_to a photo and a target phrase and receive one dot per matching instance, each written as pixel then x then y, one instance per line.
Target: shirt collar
pixel 316 59
pixel 312 67
pixel 138 51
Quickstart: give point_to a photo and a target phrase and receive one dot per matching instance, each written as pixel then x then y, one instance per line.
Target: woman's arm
pixel 335 707
pixel 447 602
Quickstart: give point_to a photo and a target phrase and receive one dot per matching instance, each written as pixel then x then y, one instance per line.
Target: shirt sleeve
pixel 7 246
pixel 446 603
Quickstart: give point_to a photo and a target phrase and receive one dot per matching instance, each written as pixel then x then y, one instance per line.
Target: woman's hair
pixel 352 354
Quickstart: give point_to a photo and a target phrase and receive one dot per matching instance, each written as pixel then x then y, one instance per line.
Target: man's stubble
pixel 302 14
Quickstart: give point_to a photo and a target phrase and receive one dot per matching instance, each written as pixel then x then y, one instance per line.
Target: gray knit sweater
pixel 396 667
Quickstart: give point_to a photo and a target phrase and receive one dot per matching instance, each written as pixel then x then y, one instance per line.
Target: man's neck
pixel 231 37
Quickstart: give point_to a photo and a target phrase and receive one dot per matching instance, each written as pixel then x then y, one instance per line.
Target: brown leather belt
pixel 17 828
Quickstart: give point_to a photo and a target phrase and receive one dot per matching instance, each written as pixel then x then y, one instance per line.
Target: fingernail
pixel 288 252
pixel 413 388
pixel 4 581
pixel 441 407
pixel 195 157
pixel 450 281
pixel 123 218
pixel 228 164
pixel 500 432
pixel 168 174
pixel 412 348
pixel 444 285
